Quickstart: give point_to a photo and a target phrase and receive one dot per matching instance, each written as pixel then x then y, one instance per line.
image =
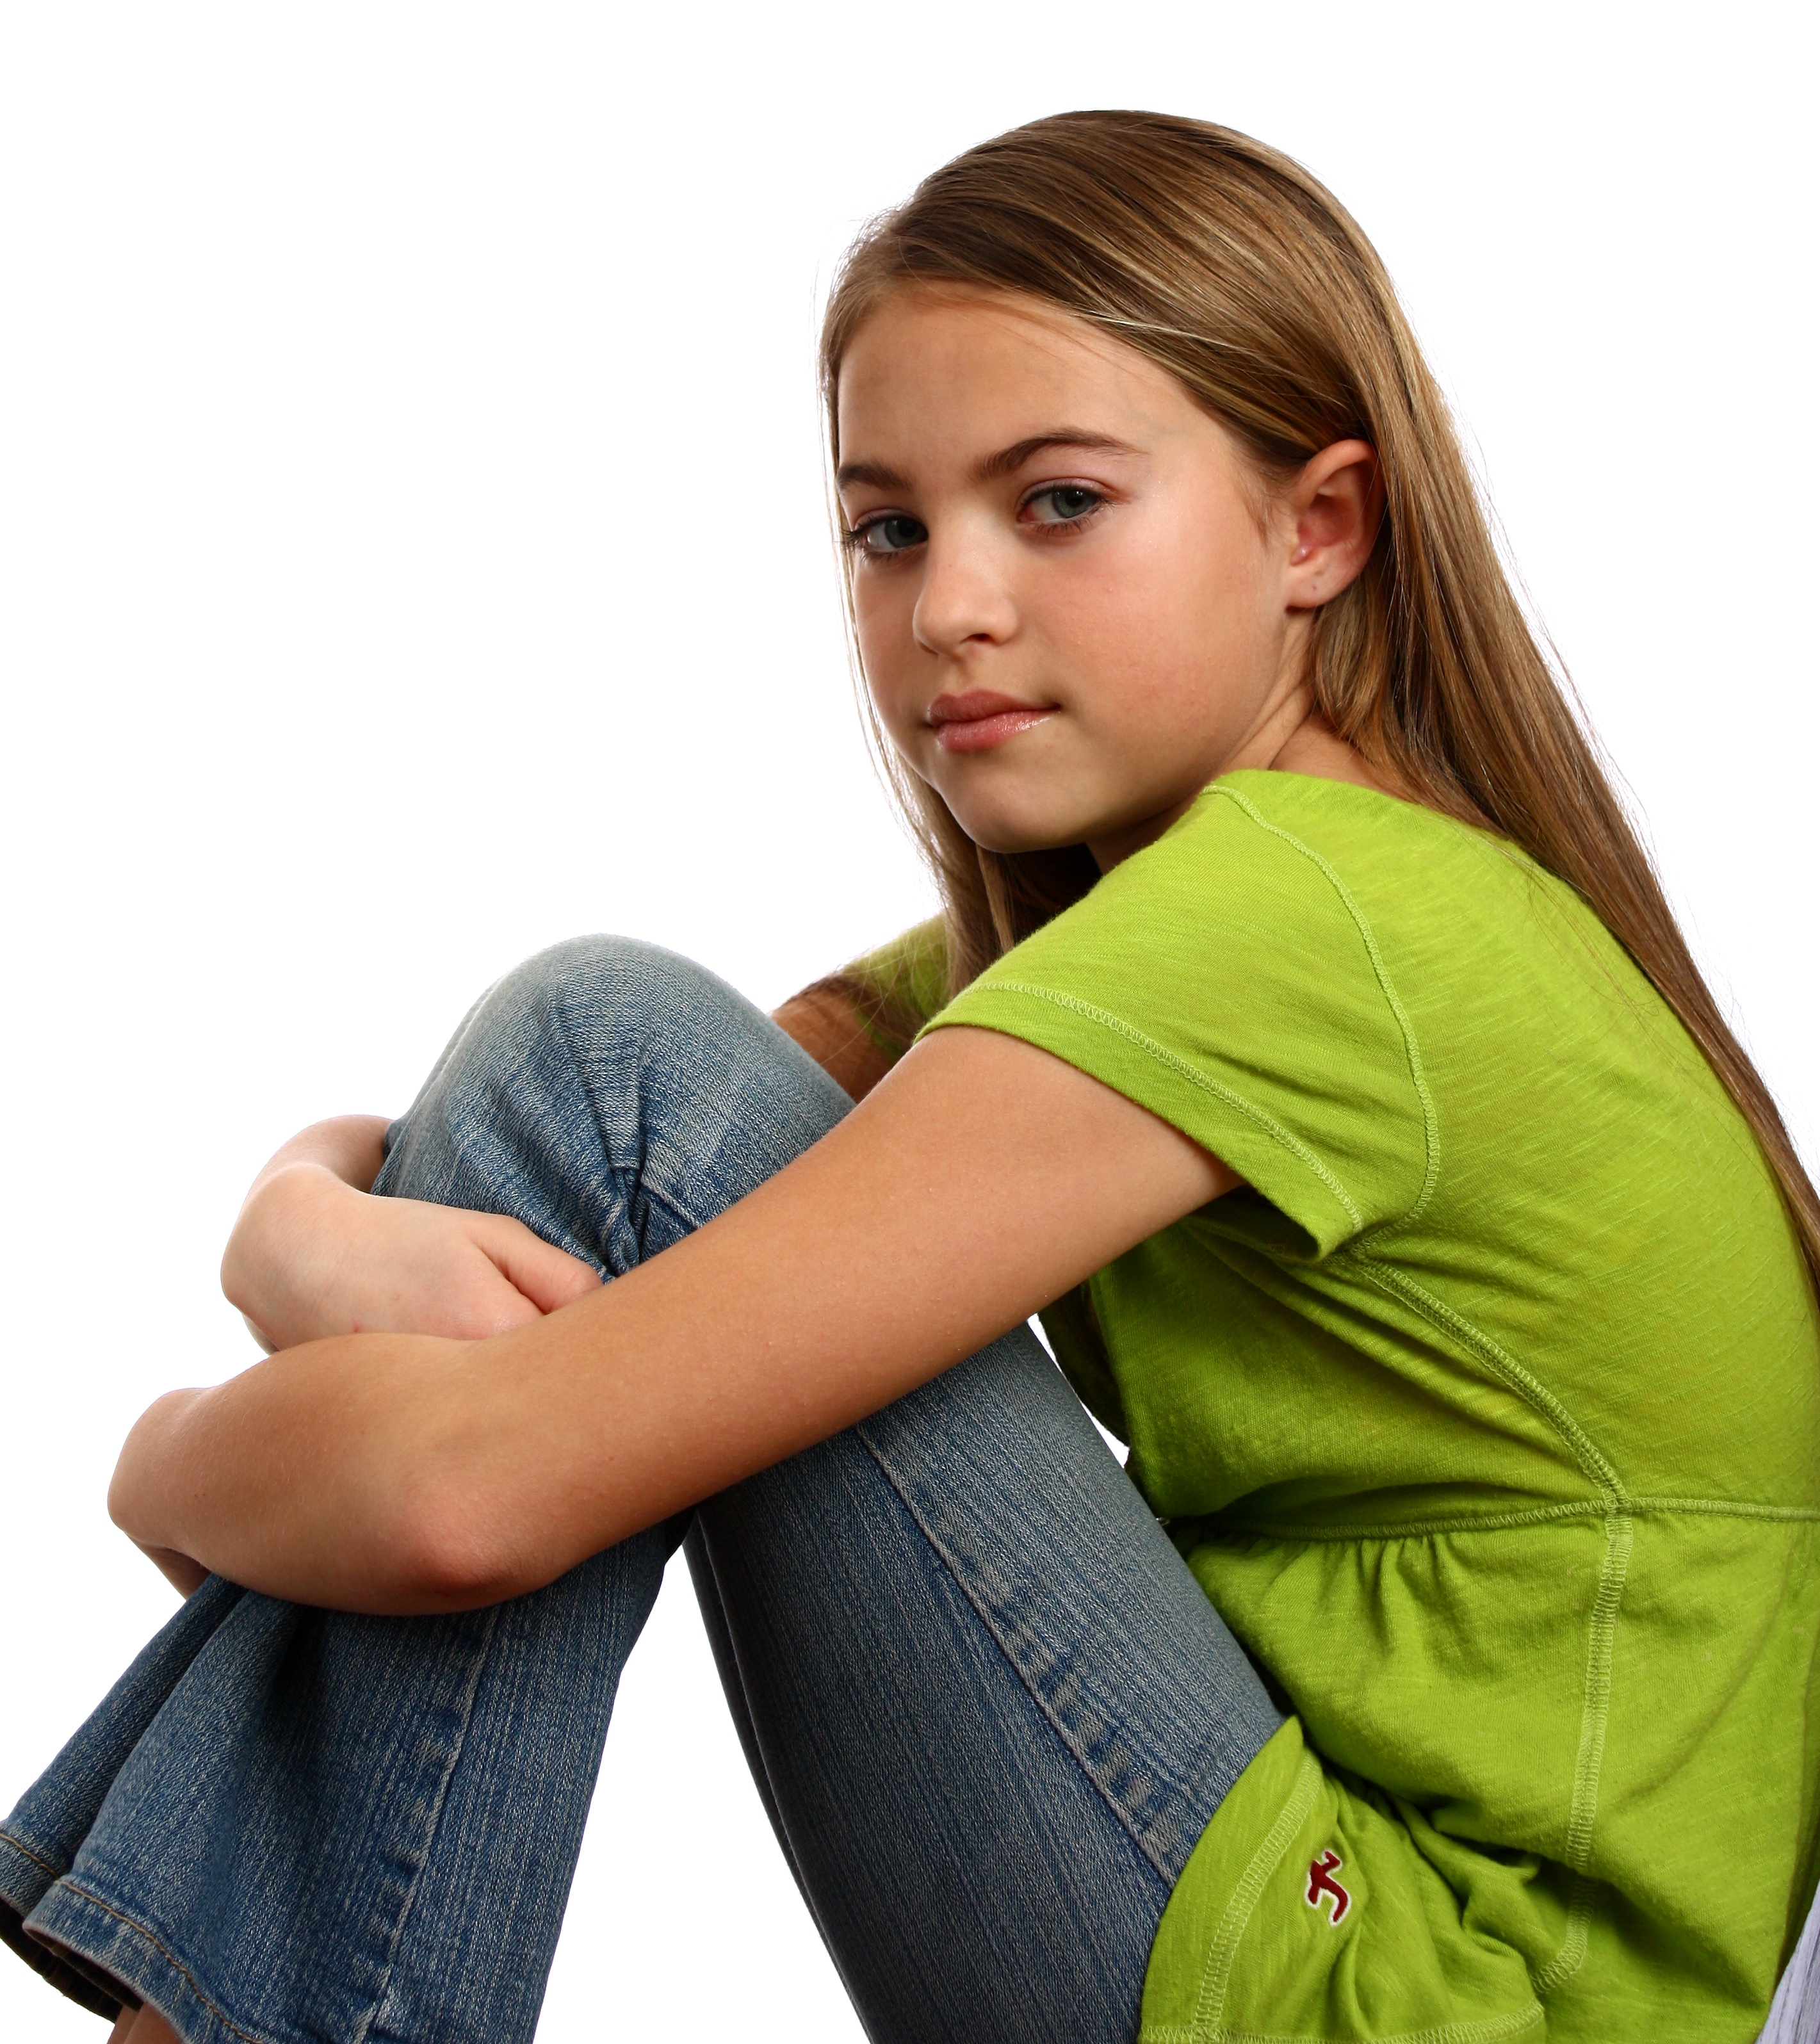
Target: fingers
pixel 312 1257
pixel 549 1277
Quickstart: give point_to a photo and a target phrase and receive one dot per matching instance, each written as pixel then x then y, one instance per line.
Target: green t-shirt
pixel 1488 1414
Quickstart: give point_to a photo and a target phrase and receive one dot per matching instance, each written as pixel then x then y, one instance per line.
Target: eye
pixel 1061 504
pixel 893 533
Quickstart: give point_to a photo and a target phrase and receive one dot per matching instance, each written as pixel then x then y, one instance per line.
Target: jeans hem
pixel 81 1931
pixel 25 1877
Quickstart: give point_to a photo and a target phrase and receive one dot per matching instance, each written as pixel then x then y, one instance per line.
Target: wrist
pixel 274 1265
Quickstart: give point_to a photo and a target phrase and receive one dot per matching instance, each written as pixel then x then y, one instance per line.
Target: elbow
pixel 448 1553
pixel 146 1468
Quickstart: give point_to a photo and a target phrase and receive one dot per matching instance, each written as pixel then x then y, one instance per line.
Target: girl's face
pixel 1077 603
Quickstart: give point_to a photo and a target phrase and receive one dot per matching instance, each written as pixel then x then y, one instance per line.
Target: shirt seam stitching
pixel 1181 1066
pixel 1234 1918
pixel 1411 1046
pixel 1483 2029
pixel 1601 1651
pixel 1500 1522
pixel 1583 1804
pixel 1593 1464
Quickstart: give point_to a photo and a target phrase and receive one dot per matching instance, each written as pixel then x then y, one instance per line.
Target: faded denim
pixel 988 1709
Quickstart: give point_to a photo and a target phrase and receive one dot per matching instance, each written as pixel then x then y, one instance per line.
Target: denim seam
pixel 687 1222
pixel 177 1965
pixel 958 1576
pixel 627 1195
pixel 436 1817
pixel 37 1859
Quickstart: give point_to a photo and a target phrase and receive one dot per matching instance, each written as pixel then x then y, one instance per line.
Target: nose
pixel 964 598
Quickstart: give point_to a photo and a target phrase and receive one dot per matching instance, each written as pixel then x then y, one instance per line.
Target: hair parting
pixel 1229 265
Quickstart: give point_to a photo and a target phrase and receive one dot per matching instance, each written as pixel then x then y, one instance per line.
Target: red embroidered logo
pixel 1321 1882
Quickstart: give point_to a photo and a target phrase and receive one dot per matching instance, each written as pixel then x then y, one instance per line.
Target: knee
pixel 615 1060
pixel 588 992
pixel 624 1027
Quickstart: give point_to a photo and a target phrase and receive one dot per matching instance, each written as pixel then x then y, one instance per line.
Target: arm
pixel 405 1473
pixel 827 1025
pixel 312 1253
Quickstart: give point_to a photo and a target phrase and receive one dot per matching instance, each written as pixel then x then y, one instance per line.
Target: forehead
pixel 955 362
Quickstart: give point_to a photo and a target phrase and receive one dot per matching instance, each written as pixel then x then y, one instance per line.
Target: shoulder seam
pixel 1412 1048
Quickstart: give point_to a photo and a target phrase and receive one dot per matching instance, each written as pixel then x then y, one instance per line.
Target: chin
pixel 1008 835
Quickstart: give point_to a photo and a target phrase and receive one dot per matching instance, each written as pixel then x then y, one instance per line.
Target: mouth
pixel 981 718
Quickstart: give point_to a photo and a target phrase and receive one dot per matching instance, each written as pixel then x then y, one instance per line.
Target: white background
pixel 412 551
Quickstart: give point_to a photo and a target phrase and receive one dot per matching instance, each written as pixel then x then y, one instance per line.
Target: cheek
pixel 1174 606
pixel 882 615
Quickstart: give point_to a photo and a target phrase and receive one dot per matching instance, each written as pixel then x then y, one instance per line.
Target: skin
pixel 1042 522
pixel 1077 605
pixel 1143 602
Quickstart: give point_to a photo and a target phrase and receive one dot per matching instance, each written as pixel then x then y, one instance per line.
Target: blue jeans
pixel 988 1709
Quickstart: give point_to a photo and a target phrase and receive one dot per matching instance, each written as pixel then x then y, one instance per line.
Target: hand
pixel 402 1472
pixel 312 1255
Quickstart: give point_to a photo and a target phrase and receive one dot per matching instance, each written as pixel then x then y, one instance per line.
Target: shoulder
pixel 1229 978
pixel 1280 886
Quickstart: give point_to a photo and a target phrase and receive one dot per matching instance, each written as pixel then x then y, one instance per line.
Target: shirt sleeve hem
pixel 1272 1159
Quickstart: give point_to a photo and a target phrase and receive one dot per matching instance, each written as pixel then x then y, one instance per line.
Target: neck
pixel 1293 739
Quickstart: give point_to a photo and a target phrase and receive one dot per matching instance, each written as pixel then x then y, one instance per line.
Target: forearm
pixel 287 1479
pixel 400 1473
pixel 350 1147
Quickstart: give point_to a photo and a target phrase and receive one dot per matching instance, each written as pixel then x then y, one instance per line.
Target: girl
pixel 1304 1035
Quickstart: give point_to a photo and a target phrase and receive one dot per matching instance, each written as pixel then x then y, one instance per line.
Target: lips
pixel 981 718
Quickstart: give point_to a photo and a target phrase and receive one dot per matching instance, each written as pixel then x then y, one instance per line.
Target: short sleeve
pixel 1224 978
pixel 897 989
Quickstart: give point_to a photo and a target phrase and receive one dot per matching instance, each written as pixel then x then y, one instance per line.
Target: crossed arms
pixel 501 1415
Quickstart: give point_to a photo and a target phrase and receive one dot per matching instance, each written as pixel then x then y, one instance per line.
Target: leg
pixel 312 1825
pixel 142 2026
pixel 292 1824
pixel 988 1709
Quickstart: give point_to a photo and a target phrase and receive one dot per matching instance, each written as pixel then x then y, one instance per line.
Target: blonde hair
pixel 1231 267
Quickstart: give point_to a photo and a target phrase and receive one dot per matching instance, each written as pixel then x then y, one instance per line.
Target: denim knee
pixel 574 990
pixel 613 1096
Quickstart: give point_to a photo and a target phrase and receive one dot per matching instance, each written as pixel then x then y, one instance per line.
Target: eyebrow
pixel 993 467
pixel 1007 461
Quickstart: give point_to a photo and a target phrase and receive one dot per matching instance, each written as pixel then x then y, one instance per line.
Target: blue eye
pixel 1062 504
pixel 895 534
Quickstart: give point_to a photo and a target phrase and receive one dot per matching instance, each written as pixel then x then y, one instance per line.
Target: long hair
pixel 1227 264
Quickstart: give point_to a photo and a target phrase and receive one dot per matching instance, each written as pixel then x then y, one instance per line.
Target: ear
pixel 1333 507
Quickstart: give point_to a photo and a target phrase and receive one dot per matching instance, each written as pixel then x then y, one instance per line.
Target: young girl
pixel 1305 1035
